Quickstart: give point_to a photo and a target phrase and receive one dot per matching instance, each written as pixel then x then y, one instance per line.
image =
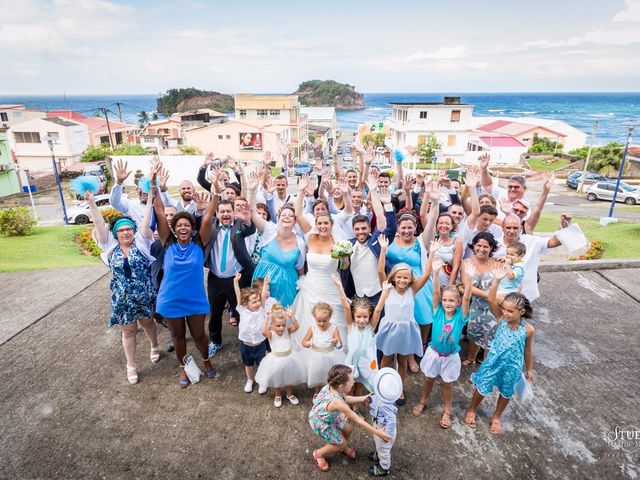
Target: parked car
pixel 303 168
pixel 347 149
pixel 347 159
pixel 80 214
pixel 380 150
pixel 605 191
pixel 339 151
pixel 573 180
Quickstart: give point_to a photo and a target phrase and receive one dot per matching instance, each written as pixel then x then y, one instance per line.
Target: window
pixel 228 137
pixel 17 114
pixel 55 136
pixel 220 137
pixel 455 115
pixel 27 137
pixel 105 140
pixel 4 117
pixel 242 113
pixel 422 139
pixel 262 113
pixel 451 140
pixel 423 114
pixel 274 113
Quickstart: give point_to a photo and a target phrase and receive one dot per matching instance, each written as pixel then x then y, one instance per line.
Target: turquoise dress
pixel 503 366
pixel 327 425
pixel 413 257
pixel 281 268
pixel 362 344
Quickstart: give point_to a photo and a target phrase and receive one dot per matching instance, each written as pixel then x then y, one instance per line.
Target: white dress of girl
pixel 321 356
pixel 283 366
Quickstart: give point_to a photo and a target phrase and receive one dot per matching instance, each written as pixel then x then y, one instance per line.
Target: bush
pixel 124 149
pixel 96 154
pixel 110 214
pixel 16 222
pixel 189 150
pixel 85 241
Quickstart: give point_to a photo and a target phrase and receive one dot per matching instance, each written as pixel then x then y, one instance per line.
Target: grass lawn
pixel 538 164
pixel 620 240
pixel 47 247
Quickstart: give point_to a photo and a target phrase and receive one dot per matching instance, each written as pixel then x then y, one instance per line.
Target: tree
pixel 580 152
pixel 189 150
pixel 96 154
pixel 126 149
pixel 143 118
pixel 427 149
pixel 154 116
pixel 605 158
pixel 544 145
pixel 376 138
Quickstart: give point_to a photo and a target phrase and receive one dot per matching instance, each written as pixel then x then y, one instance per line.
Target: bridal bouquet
pixel 342 250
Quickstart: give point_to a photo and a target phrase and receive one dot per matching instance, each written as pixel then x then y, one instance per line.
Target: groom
pixel 361 277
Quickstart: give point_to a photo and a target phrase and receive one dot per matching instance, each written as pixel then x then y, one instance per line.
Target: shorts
pixel 252 354
pixel 433 365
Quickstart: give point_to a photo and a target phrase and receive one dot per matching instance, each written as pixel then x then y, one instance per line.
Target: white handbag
pixel 192 369
pixel 523 389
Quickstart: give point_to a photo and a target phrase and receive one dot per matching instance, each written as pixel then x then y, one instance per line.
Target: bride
pixel 317 286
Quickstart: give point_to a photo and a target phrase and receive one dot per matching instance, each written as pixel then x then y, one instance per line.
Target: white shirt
pixel 233 266
pixel 364 270
pixel 250 325
pixel 466 234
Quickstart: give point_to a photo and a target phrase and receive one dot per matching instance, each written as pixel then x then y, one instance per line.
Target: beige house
pixel 13 114
pixel 29 144
pixel 522 132
pixel 280 110
pixel 244 141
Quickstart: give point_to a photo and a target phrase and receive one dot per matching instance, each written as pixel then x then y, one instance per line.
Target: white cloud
pixel 444 53
pixel 631 13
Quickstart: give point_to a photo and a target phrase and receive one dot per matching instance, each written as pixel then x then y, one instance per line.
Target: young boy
pixel 511 283
pixel 387 388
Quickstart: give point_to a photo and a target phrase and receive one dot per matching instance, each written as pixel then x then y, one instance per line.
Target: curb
pixel 582 265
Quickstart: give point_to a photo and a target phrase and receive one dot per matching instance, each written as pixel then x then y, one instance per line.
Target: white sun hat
pixel 388 385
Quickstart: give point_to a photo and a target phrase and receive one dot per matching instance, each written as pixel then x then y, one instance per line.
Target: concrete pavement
pixel 69 412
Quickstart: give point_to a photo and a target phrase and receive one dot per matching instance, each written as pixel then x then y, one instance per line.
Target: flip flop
pixel 316 461
pixel 470 420
pixel 414 368
pixel 445 420
pixel 496 426
pixel 468 363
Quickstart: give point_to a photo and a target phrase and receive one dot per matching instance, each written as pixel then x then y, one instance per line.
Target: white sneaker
pixel 262 390
pixel 248 387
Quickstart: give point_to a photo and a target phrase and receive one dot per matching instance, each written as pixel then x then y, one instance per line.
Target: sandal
pixel 184 379
pixel 155 354
pixel 414 368
pixel 467 362
pixel 316 460
pixel 132 374
pixel 233 321
pixel 211 374
pixel 496 426
pixel 349 452
pixel 470 419
pixel 445 420
pixel 417 409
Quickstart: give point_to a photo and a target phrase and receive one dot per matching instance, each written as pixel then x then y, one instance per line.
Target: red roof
pixel 490 127
pixel 501 141
pixel 95 124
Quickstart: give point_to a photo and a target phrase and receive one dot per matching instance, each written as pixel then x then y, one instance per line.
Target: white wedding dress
pixel 317 286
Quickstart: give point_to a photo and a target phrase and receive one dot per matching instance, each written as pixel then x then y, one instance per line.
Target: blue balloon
pixel 399 156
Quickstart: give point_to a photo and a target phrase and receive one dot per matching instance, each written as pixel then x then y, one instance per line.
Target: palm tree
pixel 154 116
pixel 143 118
pixel 607 157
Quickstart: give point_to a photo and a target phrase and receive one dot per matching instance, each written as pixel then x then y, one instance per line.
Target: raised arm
pixel 382 259
pixel 386 290
pixel 295 325
pixel 346 195
pixel 432 262
pixel 121 172
pixel 485 178
pixel 409 183
pixel 499 273
pixel 430 230
pixel 457 259
pixel 376 204
pixel 302 188
pixel 252 187
pixel 534 218
pixel 202 172
pixel 346 306
pixel 435 267
pixel 470 182
pixel 162 225
pixel 102 232
pixel 207 220
pixel 236 287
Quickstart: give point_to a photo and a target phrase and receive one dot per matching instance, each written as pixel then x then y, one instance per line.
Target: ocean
pixel 581 110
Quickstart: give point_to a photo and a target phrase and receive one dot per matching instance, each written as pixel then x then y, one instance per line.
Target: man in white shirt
pixel 186 202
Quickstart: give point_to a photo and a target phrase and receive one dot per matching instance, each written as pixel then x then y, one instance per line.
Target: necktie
pixel 225 246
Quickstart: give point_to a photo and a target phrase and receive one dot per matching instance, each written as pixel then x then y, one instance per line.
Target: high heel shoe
pixel 132 374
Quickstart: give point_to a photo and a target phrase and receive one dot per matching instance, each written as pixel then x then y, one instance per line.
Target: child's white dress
pixel 321 356
pixel 283 366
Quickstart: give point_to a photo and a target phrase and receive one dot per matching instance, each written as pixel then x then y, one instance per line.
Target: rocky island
pixel 184 99
pixel 329 93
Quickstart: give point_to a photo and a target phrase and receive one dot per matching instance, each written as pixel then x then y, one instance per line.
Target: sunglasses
pixel 518 211
pixel 514 187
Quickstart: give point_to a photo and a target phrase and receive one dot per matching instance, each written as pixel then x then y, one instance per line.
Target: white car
pixel 347 159
pixel 605 190
pixel 80 214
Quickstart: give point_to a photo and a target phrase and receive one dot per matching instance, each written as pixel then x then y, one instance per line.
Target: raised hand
pixel 328 186
pixel 266 159
pixel 252 181
pixel 156 167
pixel 343 185
pixel 548 178
pixel 409 183
pixel 163 174
pixel 505 206
pixel 121 171
pixel 436 245
pixel 89 197
pixel 208 159
pixel 270 184
pixel 386 286
pixel 303 184
pixel 383 241
pixel 372 182
pixel 565 220
pixel 288 312
pixel 469 271
pixel 244 214
pixel 483 161
pixel 202 200
pixel 500 271
pixel 472 177
pixel 432 191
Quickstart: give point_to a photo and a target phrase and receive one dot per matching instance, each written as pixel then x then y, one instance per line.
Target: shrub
pixel 125 149
pixel 110 214
pixel 189 150
pixel 16 222
pixel 97 153
pixel 85 241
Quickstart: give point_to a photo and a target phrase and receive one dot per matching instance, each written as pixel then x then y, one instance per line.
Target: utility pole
pixel 106 117
pixel 624 158
pixel 50 140
pixel 118 104
pixel 586 162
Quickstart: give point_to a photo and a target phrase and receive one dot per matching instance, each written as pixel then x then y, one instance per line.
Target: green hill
pixel 183 99
pixel 329 93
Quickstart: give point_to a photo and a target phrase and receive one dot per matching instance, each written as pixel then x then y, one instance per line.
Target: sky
pixel 119 47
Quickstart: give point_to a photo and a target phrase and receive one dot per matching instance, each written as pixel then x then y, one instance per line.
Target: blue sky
pixel 100 46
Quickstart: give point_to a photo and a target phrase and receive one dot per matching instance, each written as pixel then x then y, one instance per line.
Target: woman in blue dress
pixel 511 347
pixel 406 248
pixel 282 252
pixel 182 299
pixel 126 250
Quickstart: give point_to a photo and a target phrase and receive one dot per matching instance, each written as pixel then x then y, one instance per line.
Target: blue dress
pixel 132 293
pixel 503 366
pixel 182 292
pixel 413 257
pixel 281 268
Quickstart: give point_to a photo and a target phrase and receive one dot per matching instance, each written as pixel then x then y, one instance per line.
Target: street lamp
pixel 51 140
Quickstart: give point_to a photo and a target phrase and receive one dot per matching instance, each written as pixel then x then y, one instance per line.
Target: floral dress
pixel 482 323
pixel 327 425
pixel 503 366
pixel 132 292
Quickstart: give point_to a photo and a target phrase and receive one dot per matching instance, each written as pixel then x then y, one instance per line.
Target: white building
pixel 450 121
pixel 322 117
pixel 13 114
pixel 502 149
pixel 27 140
